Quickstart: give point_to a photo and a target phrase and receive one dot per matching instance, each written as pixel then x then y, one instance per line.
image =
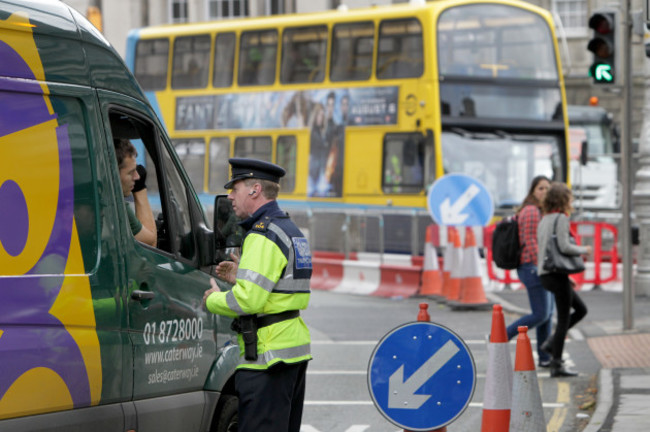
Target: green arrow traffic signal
pixel 603 73
pixel 603 46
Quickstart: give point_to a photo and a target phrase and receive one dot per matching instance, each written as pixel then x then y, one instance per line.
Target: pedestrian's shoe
pixel 544 363
pixel 547 346
pixel 558 370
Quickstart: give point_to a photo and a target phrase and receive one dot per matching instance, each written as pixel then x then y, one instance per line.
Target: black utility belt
pixel 247 326
pixel 262 321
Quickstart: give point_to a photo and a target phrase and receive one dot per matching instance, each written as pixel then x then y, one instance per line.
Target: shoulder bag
pixel 557 262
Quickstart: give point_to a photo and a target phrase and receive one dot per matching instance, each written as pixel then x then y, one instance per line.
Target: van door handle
pixel 140 295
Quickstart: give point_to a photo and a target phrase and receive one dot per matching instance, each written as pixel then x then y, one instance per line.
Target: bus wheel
pixel 227 411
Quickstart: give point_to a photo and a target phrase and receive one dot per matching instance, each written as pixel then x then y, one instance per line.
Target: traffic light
pixel 603 45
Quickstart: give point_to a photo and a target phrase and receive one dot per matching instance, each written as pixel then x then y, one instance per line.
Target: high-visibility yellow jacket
pixel 273 277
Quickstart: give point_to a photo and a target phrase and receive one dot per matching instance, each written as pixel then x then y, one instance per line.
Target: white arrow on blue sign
pixel 421 376
pixel 458 199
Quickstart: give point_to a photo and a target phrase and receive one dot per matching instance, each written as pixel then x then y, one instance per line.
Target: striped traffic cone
pixel 472 295
pixel 527 413
pixel 431 277
pixel 497 397
pixel 456 270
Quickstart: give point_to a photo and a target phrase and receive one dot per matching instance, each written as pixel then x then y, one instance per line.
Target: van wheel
pixel 227 411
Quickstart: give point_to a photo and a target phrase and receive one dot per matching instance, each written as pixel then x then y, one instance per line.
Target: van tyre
pixel 227 412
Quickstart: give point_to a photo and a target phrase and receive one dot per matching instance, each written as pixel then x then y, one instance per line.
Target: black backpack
pixel 505 244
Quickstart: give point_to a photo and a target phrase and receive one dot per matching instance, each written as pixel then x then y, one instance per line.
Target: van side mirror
pixel 584 153
pixel 227 232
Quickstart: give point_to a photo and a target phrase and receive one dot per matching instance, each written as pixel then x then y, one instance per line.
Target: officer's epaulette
pixel 261 225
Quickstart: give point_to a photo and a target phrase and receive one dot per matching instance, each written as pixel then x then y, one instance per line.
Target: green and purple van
pixel 98 332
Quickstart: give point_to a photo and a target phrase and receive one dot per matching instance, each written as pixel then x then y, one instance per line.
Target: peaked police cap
pixel 244 168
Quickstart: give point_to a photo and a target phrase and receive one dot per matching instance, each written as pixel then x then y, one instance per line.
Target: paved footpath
pixel 623 403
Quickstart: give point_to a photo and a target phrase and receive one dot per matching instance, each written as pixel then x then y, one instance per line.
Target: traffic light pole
pixel 626 171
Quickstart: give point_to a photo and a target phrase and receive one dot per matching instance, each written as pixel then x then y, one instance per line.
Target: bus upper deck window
pixel 352 49
pixel 190 63
pixel 400 49
pixel 224 60
pixel 151 58
pixel 257 57
pixel 304 52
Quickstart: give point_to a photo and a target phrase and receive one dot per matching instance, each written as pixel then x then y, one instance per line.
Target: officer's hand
pixel 140 183
pixel 227 270
pixel 214 288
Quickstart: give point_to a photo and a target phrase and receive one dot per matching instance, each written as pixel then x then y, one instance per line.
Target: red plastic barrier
pixel 327 273
pixel 601 258
pixel 398 281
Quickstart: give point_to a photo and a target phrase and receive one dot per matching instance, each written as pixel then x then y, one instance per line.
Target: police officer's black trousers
pixel 271 400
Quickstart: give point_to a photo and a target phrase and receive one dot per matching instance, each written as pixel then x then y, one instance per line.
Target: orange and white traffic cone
pixel 472 295
pixel 527 413
pixel 456 271
pixel 431 277
pixel 497 397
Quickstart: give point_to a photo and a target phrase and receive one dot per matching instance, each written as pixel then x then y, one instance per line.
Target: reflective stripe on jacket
pixel 273 277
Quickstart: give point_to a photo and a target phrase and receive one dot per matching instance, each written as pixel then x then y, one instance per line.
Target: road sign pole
pixel 626 172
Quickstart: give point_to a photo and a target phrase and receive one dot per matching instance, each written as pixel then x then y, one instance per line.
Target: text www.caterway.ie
pixel 173 354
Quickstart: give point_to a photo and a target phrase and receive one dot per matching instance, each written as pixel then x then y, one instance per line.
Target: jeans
pixel 541 306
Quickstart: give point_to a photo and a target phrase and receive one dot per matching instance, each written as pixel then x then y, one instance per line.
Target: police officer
pixel 271 286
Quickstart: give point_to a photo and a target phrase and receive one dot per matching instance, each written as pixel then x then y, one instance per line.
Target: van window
pixel 191 62
pixel 400 49
pixel 151 60
pixel 304 53
pixel 352 50
pixel 254 147
pixel 167 194
pixel 182 240
pixel 219 168
pixel 191 152
pixel 224 59
pixel 257 57
pixel 403 164
pixel 286 158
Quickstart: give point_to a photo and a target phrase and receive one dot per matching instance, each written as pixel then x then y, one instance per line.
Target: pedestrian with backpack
pixel 541 301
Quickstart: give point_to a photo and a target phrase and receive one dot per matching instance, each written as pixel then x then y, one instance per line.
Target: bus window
pixel 218 171
pixel 151 57
pixel 400 49
pixel 403 167
pixel 352 48
pixel 224 60
pixel 254 147
pixel 257 57
pixel 190 63
pixel 192 154
pixel 286 158
pixel 495 42
pixel 304 52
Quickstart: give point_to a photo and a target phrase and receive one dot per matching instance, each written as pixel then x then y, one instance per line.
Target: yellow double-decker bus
pixel 365 108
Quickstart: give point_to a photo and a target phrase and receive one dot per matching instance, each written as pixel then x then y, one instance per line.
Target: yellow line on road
pixel 559 414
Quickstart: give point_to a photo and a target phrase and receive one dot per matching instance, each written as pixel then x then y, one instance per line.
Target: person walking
pixel 271 286
pixel 540 300
pixel 557 208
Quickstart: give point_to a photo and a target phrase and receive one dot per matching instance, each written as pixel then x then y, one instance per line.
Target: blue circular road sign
pixel 458 199
pixel 421 376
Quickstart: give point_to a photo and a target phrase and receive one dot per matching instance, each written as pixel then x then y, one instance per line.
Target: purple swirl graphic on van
pixel 31 336
pixel 14 221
